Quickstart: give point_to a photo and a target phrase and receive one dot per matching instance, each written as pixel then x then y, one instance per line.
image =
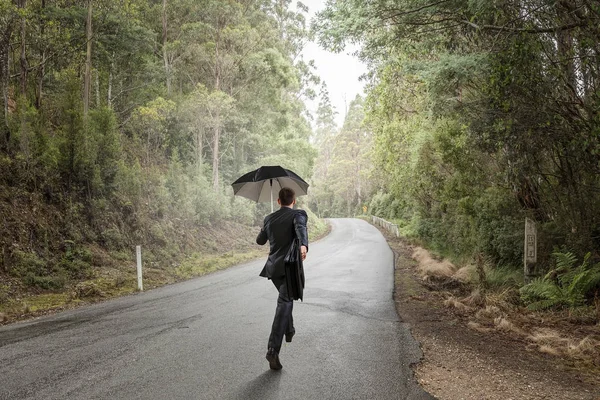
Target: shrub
pixel 504 277
pixel 564 286
pixel 25 263
pixel 87 289
pixel 381 205
pixel 112 238
pixel 76 262
pixel 53 282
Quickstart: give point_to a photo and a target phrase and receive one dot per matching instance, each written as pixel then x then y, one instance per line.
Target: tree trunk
pixel 199 138
pixel 586 79
pixel 42 70
pixel 164 47
pixel 566 54
pixel 23 58
pixel 97 87
pixel 4 79
pixel 110 82
pixel 88 62
pixel 217 128
pixel 216 138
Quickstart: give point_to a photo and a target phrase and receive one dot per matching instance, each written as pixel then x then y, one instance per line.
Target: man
pixel 280 228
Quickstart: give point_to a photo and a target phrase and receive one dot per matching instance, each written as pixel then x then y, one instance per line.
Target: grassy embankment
pixel 114 272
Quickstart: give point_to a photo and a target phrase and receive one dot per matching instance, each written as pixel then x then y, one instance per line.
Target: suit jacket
pixel 280 228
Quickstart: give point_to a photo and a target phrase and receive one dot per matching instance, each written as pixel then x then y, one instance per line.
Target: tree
pixel 87 80
pixel 342 174
pixel 118 110
pixel 465 90
pixel 8 15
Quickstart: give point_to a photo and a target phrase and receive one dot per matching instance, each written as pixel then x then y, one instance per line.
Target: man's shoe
pixel 289 336
pixel 273 359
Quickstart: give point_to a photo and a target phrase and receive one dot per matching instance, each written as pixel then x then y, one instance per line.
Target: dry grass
pixel 475 299
pixel 465 274
pixel 504 299
pixel 429 267
pixel 497 309
pixel 505 325
pixel 552 342
pixel 586 347
pixel 453 302
pixel 478 327
pixel 546 336
pixel 548 350
pixel 488 313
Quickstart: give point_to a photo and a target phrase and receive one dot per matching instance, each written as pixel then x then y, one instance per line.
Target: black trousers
pixel 283 322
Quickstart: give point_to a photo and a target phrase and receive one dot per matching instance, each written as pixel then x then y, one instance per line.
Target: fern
pixel 566 285
pixel 564 261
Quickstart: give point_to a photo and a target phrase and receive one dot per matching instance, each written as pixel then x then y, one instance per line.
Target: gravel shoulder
pixel 460 363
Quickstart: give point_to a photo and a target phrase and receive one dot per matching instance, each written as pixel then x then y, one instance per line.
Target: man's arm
pixel 300 221
pixel 262 236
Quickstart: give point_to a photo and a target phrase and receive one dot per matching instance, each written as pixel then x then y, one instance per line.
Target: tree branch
pixel 413 11
pixel 561 28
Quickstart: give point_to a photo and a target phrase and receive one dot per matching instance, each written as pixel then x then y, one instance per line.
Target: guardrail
pixel 391 228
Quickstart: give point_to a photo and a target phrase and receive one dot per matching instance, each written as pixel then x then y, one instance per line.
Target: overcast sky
pixel 341 71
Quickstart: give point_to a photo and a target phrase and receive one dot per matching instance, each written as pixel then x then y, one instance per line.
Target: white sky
pixel 340 72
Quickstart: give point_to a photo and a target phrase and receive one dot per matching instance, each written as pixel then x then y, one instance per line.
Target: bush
pixel 113 239
pixel 52 282
pixel 86 289
pixel 34 271
pixel 564 286
pixel 242 211
pixel 381 205
pixel 76 261
pixel 504 277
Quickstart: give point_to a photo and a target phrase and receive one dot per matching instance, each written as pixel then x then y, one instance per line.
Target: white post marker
pixel 530 253
pixel 138 253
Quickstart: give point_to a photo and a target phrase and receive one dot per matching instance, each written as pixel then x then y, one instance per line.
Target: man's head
pixel 287 197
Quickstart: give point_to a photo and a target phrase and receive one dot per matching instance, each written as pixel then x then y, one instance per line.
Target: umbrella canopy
pixel 259 185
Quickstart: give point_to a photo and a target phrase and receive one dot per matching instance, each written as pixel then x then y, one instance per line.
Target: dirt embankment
pixel 476 351
pixel 113 274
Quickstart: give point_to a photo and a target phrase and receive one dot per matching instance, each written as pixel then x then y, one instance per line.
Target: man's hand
pixel 303 251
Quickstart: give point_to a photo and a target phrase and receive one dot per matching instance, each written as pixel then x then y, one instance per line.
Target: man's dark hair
pixel 286 196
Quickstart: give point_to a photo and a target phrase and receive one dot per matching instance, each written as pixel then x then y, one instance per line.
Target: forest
pixel 125 122
pixel 478 114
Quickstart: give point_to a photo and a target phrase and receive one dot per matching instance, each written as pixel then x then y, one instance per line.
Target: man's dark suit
pixel 280 228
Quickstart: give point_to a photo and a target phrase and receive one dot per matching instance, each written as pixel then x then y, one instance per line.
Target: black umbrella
pixel 259 185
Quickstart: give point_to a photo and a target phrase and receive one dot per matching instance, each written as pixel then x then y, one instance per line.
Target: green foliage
pixel 107 149
pixel 75 262
pixel 341 182
pixel 480 118
pixel 567 285
pixel 504 277
pixel 381 205
pixel 25 263
pixel 317 227
pixel 174 117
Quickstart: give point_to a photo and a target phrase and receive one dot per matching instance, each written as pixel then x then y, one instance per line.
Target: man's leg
pixel 283 322
pixel 290 331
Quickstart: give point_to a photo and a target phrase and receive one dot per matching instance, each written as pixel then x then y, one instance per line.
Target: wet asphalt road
pixel 206 338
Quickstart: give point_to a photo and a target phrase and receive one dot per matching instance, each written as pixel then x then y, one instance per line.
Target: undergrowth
pixel 567 285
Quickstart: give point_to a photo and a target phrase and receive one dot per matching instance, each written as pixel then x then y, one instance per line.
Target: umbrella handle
pixel 271 182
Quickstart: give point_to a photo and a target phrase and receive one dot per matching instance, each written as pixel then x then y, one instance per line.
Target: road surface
pixel 207 338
